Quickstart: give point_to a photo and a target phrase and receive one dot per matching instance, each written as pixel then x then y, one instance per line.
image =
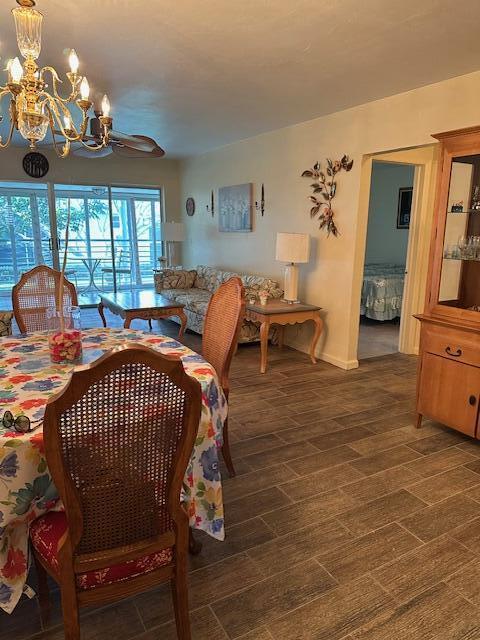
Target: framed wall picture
pixel 235 208
pixel 405 195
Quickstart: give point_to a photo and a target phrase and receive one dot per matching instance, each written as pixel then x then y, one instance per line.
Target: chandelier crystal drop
pixel 33 109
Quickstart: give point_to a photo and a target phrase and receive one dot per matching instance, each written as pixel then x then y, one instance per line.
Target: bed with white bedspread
pixel 382 291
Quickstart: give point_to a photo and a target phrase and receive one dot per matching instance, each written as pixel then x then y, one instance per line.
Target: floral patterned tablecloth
pixel 27 380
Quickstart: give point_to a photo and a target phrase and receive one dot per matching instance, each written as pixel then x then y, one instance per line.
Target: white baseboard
pixel 337 362
pixel 342 364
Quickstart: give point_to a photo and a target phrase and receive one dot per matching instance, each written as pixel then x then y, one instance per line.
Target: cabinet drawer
pixel 449 392
pixel 456 345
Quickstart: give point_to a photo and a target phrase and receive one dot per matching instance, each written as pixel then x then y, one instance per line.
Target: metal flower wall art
pixel 324 190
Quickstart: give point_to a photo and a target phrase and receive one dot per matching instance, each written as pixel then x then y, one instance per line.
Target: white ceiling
pixel 198 74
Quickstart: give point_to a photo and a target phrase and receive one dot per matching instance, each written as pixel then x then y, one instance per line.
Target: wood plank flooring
pixel 343 523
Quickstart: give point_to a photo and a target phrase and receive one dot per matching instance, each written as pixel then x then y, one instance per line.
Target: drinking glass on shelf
pixel 468 249
pixel 451 252
pixel 476 247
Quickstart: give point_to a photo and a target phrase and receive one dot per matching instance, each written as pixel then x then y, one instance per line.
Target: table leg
pixel 183 326
pixel 150 324
pixel 91 268
pixel 281 332
pixel 101 312
pixel 128 320
pixel 264 327
pixel 92 281
pixel 316 336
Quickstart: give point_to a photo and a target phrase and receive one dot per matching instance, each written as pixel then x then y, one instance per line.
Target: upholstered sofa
pixel 194 289
pixel 6 323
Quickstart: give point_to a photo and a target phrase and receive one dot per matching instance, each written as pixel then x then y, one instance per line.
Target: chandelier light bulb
pixel 106 106
pixel 16 70
pixel 73 61
pixel 85 89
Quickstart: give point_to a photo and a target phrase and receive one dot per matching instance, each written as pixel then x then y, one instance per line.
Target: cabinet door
pixel 449 392
pixel 455 268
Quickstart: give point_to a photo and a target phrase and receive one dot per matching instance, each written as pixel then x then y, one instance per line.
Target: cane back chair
pixel 117 442
pixel 35 292
pixel 221 329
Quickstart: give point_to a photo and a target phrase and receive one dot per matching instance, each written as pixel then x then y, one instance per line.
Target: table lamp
pixel 172 232
pixel 292 248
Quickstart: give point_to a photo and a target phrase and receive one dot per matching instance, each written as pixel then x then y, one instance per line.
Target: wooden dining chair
pixel 117 442
pixel 221 329
pixel 34 293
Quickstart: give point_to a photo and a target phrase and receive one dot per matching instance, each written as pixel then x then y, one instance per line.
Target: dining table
pixel 28 379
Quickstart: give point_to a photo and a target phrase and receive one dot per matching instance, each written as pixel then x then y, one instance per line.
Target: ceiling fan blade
pixel 141 143
pixel 82 152
pixel 60 135
pixel 130 152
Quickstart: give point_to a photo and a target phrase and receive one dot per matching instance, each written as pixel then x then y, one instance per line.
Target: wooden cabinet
pixel 449 392
pixel 448 387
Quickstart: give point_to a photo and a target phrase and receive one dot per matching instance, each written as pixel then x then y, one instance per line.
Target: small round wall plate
pixel 35 165
pixel 190 206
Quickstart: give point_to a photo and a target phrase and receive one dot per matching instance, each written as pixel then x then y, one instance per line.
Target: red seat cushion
pixel 45 533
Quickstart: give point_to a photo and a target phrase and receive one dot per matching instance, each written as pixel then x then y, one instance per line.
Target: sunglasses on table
pixel 21 424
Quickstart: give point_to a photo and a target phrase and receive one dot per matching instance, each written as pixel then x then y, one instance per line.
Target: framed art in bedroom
pixel 405 195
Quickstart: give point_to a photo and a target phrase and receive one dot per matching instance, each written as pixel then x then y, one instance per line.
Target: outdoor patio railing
pixel 134 267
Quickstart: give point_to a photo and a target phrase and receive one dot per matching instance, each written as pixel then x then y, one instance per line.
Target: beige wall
pixel 162 173
pixel 279 157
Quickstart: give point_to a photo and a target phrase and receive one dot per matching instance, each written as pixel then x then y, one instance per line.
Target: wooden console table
pixel 282 313
pixel 144 305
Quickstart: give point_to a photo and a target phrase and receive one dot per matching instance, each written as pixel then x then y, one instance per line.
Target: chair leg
pixel 43 593
pixel 194 545
pixel 227 456
pixel 180 600
pixel 71 622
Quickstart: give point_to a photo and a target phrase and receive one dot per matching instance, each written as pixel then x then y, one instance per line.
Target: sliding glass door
pixel 25 239
pixel 114 242
pixel 114 236
pixel 89 256
pixel 136 234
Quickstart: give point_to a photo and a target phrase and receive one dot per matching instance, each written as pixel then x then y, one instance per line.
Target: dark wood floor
pixel 344 521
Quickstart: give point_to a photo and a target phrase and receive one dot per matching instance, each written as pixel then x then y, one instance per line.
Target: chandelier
pixel 34 110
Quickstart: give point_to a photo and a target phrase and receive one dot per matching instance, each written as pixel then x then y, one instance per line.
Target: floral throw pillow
pixel 175 279
pixel 207 278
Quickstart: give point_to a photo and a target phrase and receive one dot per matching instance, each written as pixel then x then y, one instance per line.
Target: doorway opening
pixel 384 271
pixel 425 159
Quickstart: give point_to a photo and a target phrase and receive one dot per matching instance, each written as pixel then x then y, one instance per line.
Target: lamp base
pixel 171 257
pixel 291 284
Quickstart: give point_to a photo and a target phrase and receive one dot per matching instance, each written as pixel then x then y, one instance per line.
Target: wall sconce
pixel 211 206
pixel 260 206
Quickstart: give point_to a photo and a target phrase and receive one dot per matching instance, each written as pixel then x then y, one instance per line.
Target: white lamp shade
pixel 293 247
pixel 173 231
